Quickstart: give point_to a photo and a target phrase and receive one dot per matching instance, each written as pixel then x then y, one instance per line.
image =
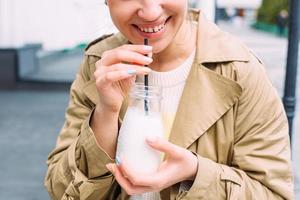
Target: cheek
pixel 121 16
pixel 179 12
pixel 177 7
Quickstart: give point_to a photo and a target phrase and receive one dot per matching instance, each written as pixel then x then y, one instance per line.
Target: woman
pixel 228 136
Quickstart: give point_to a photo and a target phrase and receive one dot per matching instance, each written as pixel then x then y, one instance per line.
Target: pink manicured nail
pixel 146 69
pixel 148 59
pixel 110 168
pixel 148 48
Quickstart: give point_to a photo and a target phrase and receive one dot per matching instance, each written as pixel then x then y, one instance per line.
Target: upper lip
pixel 152 24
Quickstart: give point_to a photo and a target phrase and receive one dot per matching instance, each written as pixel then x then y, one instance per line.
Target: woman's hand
pixel 116 71
pixel 179 165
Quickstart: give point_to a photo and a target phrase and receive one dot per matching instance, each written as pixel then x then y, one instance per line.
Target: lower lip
pixel 152 35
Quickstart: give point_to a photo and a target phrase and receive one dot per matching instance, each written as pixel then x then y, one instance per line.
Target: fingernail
pixel 148 48
pixel 118 160
pixel 131 71
pixel 108 167
pixel 148 59
pixel 146 69
pixel 151 139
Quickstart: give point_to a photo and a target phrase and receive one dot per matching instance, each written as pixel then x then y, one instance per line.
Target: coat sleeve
pixel 76 167
pixel 261 165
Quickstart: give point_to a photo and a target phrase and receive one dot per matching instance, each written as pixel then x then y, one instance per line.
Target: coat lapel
pixel 206 97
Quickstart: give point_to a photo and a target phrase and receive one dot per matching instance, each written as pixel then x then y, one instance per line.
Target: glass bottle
pixel 142 120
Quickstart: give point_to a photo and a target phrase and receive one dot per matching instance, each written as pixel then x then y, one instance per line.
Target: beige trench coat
pixel 229 115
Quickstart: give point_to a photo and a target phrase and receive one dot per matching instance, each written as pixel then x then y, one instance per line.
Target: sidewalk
pixel 30 122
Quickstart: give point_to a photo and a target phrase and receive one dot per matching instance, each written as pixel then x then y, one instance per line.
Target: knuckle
pixel 116 52
pixel 180 153
pixel 108 77
pixel 99 83
pixel 98 63
pixel 105 53
pixel 119 53
pixel 135 181
pixel 95 74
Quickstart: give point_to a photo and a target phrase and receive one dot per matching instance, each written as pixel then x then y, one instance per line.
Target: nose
pixel 150 10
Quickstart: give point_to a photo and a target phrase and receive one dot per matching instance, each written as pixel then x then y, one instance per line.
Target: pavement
pixel 56 66
pixel 31 119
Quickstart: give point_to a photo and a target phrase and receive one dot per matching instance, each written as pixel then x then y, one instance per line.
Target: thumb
pixel 165 146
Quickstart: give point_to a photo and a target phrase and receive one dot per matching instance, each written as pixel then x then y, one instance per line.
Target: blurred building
pixel 242 4
pixel 207 6
pixel 56 24
pixel 61 28
pixel 227 8
pixel 62 24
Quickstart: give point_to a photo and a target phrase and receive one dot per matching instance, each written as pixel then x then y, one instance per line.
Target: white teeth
pixel 152 30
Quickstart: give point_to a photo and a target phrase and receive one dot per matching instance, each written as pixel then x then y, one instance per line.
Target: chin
pixel 158 48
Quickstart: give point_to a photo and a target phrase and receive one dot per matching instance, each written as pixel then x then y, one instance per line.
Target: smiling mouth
pixel 152 29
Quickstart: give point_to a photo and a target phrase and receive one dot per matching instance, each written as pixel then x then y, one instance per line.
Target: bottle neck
pixel 145 98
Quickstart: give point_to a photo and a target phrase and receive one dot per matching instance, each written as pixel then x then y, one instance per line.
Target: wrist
pixel 103 119
pixel 194 166
pixel 105 129
pixel 102 111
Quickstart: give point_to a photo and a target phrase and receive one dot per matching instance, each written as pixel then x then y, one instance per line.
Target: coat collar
pixel 207 95
pixel 215 45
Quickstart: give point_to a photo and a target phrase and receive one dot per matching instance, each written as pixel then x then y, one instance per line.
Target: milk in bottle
pixel 142 120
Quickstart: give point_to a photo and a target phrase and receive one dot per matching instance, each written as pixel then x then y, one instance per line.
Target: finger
pixel 125 183
pixel 153 181
pixel 134 177
pixel 123 55
pixel 102 71
pixel 142 49
pixel 165 146
pixel 115 76
pixel 99 72
pixel 123 66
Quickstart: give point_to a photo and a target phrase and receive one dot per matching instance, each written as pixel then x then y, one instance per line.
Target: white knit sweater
pixel 172 84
